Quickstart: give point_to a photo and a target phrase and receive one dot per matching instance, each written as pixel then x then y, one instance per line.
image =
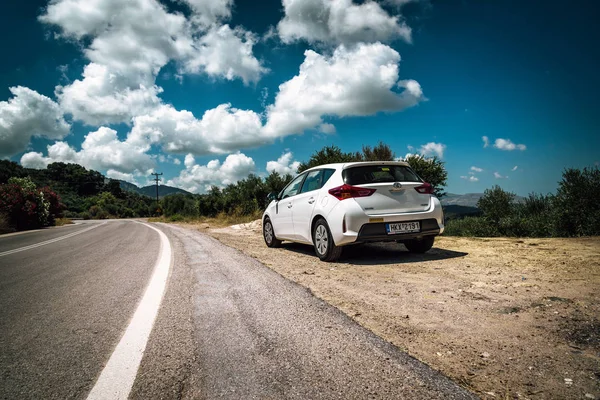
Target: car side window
pixel 293 188
pixel 326 175
pixel 312 182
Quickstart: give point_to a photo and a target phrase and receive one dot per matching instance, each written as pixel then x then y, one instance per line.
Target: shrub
pixel 25 206
pixel 576 210
pixel 176 218
pixel 471 226
pixel 496 204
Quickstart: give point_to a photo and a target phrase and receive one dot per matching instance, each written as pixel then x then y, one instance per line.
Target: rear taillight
pixel 425 188
pixel 347 191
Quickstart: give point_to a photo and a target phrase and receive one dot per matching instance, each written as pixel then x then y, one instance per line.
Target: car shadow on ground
pixel 379 253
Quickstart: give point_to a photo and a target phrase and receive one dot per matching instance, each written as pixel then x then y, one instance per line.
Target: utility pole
pixel 157 179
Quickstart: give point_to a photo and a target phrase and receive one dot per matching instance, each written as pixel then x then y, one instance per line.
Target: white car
pixel 336 205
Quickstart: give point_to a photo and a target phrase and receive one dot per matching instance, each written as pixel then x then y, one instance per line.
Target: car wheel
pixel 420 245
pixel 269 234
pixel 324 244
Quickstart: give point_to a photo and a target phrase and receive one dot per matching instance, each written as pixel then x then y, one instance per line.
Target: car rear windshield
pixel 379 173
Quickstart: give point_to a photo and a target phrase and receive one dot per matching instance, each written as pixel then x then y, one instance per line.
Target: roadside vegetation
pixel 31 198
pixel 572 211
pixel 35 198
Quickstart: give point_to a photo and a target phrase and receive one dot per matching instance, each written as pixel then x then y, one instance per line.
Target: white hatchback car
pixel 335 205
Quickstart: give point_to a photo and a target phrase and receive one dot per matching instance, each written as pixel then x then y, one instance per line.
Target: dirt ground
pixel 506 318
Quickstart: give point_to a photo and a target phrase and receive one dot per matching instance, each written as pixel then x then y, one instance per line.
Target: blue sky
pixel 127 87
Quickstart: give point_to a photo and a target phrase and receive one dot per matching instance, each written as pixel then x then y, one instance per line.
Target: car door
pixel 282 219
pixel 303 205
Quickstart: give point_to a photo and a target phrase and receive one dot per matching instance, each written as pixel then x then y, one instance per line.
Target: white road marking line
pixel 117 377
pixel 33 246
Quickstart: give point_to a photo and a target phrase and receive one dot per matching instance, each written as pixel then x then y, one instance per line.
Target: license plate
pixel 403 227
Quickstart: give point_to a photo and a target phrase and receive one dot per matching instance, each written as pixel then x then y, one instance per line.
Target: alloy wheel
pixel 268 232
pixel 321 239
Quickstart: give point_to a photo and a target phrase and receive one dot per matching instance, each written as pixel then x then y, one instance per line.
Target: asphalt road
pixel 65 305
pixel 228 327
pixel 251 334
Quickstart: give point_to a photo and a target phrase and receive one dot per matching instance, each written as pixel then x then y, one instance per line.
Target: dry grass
pixel 63 221
pixel 220 221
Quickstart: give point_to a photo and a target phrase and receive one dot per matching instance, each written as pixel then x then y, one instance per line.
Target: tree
pixel 328 155
pixel 381 152
pixel 576 202
pixel 496 204
pixel 10 169
pixel 431 170
pixel 179 203
pixel 114 186
pixel 276 182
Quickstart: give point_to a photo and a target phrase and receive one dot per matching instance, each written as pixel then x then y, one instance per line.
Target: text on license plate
pixel 403 227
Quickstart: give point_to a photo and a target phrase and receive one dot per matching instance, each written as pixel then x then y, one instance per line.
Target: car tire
pixel 420 245
pixel 324 245
pixel 269 234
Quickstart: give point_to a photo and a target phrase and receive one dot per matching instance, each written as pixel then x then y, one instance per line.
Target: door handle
pixel 311 200
pixel 289 205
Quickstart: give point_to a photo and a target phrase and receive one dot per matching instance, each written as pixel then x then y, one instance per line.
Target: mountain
pixel 150 191
pixel 467 200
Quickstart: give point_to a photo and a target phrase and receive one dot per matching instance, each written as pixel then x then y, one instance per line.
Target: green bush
pixel 27 207
pixel 471 226
pixel 176 218
pixel 576 209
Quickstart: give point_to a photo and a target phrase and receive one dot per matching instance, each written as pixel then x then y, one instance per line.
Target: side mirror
pixel 272 196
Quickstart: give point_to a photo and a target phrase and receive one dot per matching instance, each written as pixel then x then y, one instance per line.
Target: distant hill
pixel 453 211
pixel 150 191
pixel 467 200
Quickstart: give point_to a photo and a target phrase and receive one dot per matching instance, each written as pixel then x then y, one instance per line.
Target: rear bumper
pixel 377 232
pixel 361 228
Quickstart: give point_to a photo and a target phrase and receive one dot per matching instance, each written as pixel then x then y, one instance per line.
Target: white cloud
pixel 326 128
pixel 127 52
pixel 226 53
pixel 220 130
pixel 470 178
pixel 356 81
pixel 486 141
pixel 432 148
pixel 199 178
pixel 507 144
pixel 499 176
pixel 339 22
pixel 515 168
pixel 189 161
pixel 121 37
pixel 284 165
pixel 476 169
pixel 176 161
pixel 208 12
pixel 101 150
pixel 28 114
pixel 102 96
